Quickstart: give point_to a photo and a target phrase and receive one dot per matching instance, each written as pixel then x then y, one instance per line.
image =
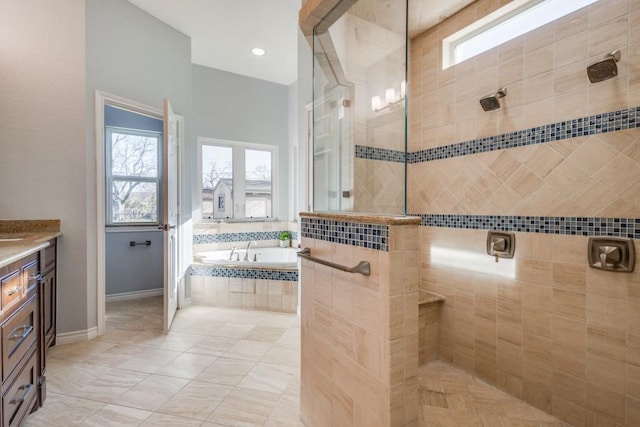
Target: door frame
pixel 101 99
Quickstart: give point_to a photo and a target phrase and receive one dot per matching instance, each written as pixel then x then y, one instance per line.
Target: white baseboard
pixel 76 336
pixel 134 295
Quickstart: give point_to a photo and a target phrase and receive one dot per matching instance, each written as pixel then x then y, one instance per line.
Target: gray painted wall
pixel 133 55
pixel 43 165
pixel 133 268
pixel 238 108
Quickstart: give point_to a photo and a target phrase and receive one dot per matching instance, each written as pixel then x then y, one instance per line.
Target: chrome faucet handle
pixel 246 254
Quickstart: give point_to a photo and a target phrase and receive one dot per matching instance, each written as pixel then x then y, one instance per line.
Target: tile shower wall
pixel 360 333
pixel 544 326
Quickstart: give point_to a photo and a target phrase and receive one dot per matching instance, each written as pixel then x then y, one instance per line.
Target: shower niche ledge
pixel 427 297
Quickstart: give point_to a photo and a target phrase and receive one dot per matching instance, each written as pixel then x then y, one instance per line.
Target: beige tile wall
pixel 545 74
pixel 251 294
pixel 379 186
pixel 544 326
pixel 360 335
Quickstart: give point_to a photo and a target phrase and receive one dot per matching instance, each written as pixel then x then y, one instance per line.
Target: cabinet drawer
pixel 48 256
pixel 19 397
pixel 19 332
pixel 30 275
pixel 11 288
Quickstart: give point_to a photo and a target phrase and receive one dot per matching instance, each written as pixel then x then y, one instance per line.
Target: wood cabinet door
pixel 48 295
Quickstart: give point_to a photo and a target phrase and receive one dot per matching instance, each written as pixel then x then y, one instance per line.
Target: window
pixel 257 183
pixel 237 179
pixel 506 23
pixel 133 179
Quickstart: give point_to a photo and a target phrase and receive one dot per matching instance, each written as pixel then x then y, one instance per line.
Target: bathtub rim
pixel 255 265
pixel 246 265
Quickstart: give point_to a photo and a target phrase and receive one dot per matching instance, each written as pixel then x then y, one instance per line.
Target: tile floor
pixel 217 367
pixel 453 398
pixel 226 367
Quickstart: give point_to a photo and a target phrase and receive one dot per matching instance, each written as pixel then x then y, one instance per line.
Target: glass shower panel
pixel 359 109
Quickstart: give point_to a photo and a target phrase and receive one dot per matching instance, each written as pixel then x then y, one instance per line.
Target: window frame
pixel 493 20
pixel 109 177
pixel 238 177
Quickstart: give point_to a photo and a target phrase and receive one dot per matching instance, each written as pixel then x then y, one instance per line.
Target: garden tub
pixel 284 258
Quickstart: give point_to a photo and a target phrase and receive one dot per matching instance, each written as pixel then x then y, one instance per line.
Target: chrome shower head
pixel 605 69
pixel 490 102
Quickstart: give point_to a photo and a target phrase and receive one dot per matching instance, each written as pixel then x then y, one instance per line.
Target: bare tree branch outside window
pixel 134 173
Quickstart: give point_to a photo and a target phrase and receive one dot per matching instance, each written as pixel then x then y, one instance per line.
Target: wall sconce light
pixel 390 98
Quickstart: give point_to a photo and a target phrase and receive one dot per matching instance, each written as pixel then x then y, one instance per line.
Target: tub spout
pixel 246 253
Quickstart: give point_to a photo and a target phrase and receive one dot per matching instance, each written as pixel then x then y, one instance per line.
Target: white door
pixel 170 213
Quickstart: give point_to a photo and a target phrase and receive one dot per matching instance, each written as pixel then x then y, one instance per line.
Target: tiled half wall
pixel 359 333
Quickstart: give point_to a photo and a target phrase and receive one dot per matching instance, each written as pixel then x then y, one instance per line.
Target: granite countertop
pixel 364 218
pixel 19 239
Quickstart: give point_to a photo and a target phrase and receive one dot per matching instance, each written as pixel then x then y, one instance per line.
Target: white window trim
pixel 496 18
pixel 109 177
pixel 238 177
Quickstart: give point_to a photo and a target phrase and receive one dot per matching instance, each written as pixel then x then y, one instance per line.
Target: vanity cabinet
pixel 19 339
pixel 27 330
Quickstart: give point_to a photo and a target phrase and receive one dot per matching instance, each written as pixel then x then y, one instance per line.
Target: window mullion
pixel 239 182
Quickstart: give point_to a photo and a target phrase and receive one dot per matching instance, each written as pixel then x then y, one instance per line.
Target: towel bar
pixel 363 267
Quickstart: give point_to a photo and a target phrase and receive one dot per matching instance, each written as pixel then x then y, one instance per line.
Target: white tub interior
pixel 276 257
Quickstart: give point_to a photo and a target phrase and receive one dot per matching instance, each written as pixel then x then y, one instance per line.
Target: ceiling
pixel 223 32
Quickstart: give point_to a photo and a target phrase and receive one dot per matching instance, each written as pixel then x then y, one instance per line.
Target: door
pixel 170 213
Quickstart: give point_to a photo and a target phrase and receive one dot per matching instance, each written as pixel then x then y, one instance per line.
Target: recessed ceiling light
pixel 258 51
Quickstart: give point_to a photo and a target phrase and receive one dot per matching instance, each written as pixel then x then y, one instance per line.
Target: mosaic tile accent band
pixel 576 226
pixel 584 126
pixel 244 273
pixel 239 237
pixel 370 236
pixel 384 154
